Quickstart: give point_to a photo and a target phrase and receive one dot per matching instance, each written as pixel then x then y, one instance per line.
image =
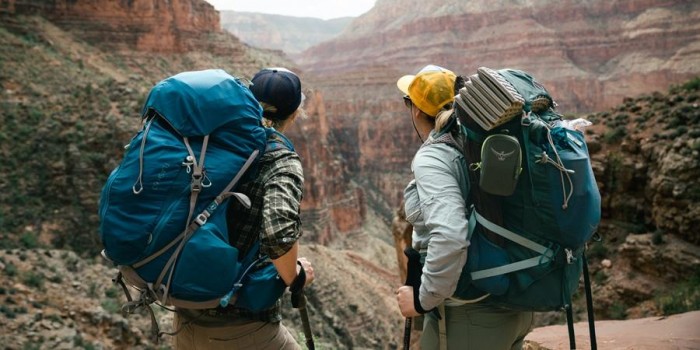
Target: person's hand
pixel 404 295
pixel 307 268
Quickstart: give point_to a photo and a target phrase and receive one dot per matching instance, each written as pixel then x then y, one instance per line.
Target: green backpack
pixel 535 199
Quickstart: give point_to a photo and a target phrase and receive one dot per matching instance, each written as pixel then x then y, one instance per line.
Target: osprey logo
pixel 502 155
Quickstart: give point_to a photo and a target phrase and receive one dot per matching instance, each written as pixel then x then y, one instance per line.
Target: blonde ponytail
pixel 442 118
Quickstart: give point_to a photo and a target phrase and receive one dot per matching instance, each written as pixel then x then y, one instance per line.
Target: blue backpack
pixel 163 209
pixel 536 200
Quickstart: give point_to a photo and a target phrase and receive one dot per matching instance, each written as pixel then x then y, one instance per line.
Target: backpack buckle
pixel 202 218
pixel 570 258
pixel 197 178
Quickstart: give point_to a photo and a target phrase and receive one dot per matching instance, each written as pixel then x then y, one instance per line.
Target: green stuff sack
pixel 500 164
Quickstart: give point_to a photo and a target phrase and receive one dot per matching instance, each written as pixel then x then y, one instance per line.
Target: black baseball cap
pixel 278 87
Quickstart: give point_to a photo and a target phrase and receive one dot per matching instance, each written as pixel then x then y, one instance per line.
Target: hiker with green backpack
pixel 269 222
pixel 502 203
pixel 436 204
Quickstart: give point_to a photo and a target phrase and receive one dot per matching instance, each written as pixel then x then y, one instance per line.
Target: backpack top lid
pixel 198 102
pixel 537 98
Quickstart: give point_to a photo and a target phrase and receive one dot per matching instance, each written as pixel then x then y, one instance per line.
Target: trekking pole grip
pixel 413 272
pixel 299 302
pixel 297 288
pixel 413 267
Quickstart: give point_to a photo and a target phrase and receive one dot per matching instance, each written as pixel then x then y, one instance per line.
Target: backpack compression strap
pixel 198 175
pixel 202 218
pixel 546 254
pixel 198 221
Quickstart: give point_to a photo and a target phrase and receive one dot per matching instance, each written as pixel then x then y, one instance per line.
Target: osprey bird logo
pixel 502 155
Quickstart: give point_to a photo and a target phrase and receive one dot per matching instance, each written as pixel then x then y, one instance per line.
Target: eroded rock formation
pixel 146 25
pixel 590 55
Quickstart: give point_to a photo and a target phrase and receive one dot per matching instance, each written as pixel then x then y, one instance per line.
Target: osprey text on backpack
pixel 163 209
pixel 536 201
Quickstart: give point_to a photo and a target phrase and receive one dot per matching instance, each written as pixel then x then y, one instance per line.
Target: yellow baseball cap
pixel 430 90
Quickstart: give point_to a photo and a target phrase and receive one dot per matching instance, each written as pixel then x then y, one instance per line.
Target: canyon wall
pixel 138 43
pixel 290 35
pixel 147 25
pixel 590 55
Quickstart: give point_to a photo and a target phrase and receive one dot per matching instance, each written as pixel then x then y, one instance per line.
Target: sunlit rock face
pixel 147 25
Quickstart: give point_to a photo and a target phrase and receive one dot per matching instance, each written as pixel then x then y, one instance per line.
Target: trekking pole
pixel 589 303
pixel 299 302
pixel 413 272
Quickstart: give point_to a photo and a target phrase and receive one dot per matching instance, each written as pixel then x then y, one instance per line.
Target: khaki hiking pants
pixel 246 336
pixel 477 327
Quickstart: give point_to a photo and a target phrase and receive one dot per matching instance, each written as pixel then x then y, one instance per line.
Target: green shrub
pixel 111 292
pixel 92 290
pixel 683 297
pixel 597 250
pixel 111 306
pixel 7 311
pixel 615 135
pixel 29 240
pixel 692 85
pixel 599 277
pixel 31 345
pixel 81 343
pixel 646 116
pixel 56 279
pixel 11 270
pixel 55 318
pixel 617 311
pixel 5 241
pixel 35 280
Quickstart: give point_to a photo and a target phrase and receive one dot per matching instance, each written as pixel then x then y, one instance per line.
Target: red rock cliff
pixel 332 204
pixel 145 25
pixel 152 39
pixel 589 54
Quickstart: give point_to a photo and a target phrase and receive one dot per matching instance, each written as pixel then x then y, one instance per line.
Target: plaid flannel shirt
pixel 273 217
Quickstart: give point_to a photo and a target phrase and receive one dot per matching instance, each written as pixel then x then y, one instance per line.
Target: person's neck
pixel 284 124
pixel 424 125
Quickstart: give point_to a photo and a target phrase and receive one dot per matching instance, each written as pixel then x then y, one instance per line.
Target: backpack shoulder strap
pixel 451 135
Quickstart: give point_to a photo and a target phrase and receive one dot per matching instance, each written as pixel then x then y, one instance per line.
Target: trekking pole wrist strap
pixel 416 302
pixel 299 281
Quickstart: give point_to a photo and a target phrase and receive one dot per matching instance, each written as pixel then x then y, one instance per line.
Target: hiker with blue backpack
pixel 436 204
pixel 202 213
pixel 502 205
pixel 272 219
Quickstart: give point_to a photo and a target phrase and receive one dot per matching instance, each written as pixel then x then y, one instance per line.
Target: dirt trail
pixel 674 332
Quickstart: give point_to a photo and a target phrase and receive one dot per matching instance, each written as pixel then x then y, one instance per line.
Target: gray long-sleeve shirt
pixel 436 206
